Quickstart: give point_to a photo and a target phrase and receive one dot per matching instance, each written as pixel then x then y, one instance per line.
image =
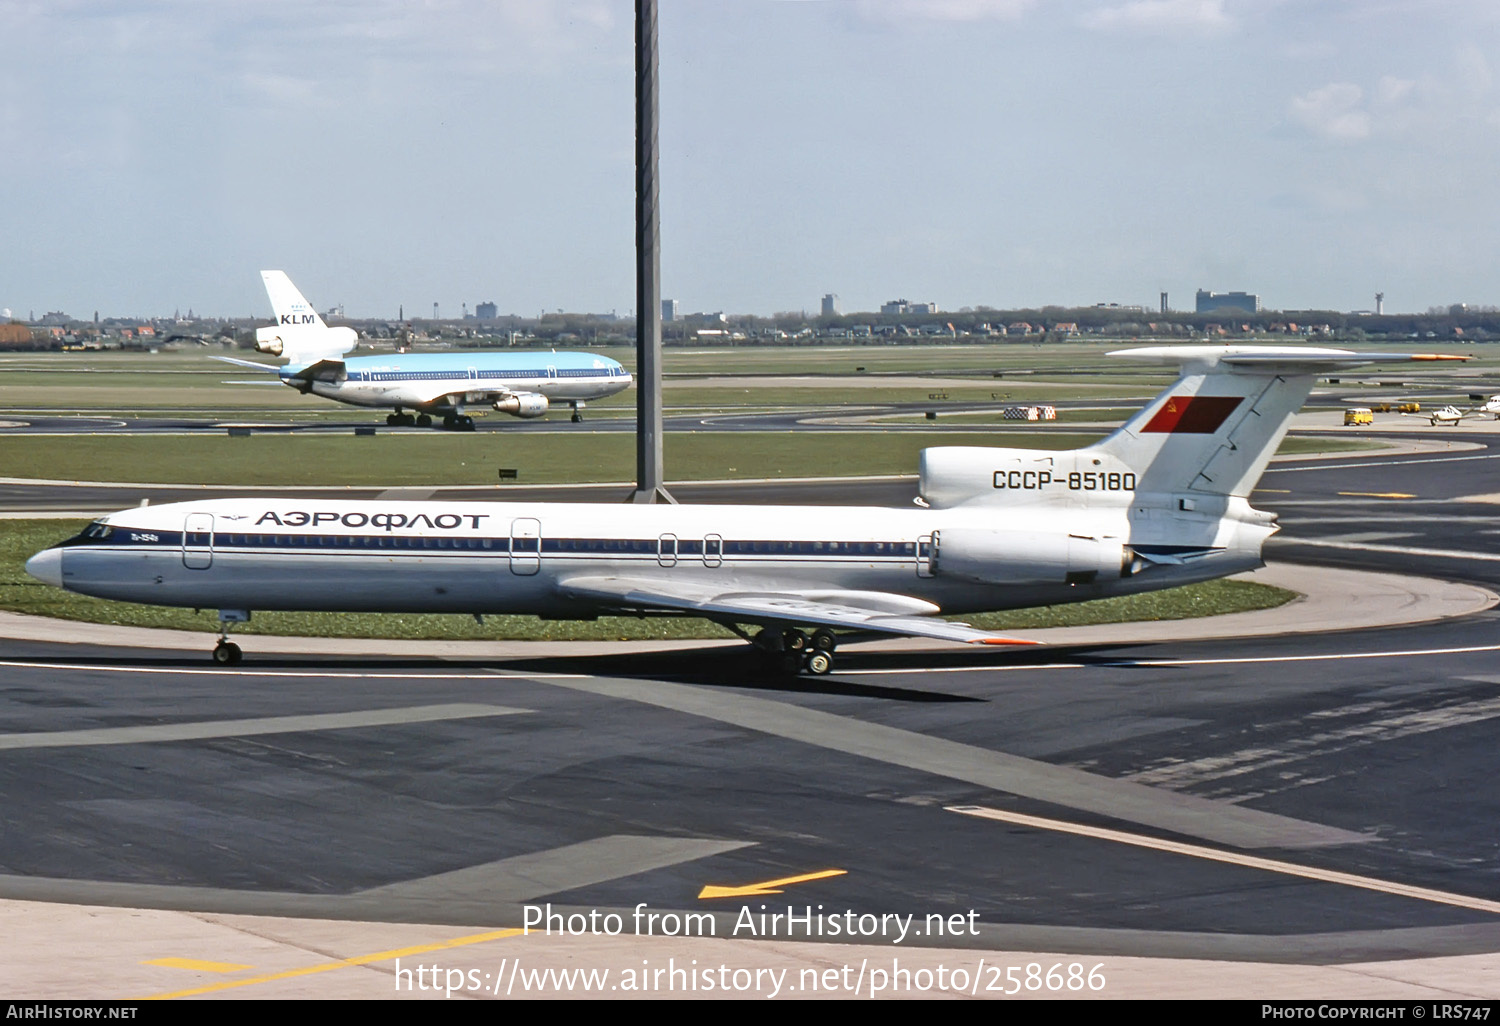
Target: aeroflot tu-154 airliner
pixel 1162 501
pixel 523 384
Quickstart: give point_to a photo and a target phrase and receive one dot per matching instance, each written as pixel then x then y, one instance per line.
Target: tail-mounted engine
pixel 1026 557
pixel 267 340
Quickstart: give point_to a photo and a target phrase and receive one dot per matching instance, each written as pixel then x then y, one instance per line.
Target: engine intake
pixel 268 341
pixel 523 404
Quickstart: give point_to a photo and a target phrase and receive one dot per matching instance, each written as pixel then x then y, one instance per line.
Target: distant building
pixel 830 305
pixel 669 309
pixel 1208 302
pixel 922 308
pixel 486 311
pixel 895 306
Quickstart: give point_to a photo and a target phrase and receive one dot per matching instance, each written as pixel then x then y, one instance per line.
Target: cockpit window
pixel 98 530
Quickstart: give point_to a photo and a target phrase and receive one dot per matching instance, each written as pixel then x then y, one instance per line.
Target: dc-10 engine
pixel 1026 557
pixel 522 404
pixel 268 340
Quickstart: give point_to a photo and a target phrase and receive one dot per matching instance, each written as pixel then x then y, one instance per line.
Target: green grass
pixel 443 458
pixel 20 539
pixel 187 380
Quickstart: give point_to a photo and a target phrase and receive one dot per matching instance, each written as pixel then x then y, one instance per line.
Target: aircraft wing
pixel 881 612
pixel 427 393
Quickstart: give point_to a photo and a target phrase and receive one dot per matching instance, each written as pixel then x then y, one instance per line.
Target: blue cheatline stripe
pixel 585 547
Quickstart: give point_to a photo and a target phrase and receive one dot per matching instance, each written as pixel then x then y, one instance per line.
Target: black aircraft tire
pixel 227 653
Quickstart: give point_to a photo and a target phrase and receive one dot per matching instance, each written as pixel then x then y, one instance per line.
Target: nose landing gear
pixel 226 652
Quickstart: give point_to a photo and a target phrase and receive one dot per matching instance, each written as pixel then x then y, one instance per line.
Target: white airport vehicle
pixel 522 384
pixel 1162 501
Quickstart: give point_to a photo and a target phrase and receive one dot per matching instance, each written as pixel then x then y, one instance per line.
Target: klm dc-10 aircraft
pixel 1163 501
pixel 523 384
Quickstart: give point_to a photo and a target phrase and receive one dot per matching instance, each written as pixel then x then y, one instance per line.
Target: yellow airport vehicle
pixel 1358 415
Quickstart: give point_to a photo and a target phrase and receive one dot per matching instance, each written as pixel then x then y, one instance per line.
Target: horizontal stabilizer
pixel 266 367
pixel 1267 359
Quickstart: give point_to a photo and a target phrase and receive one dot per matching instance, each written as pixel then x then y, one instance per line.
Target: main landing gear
pixel 458 422
pixel 791 652
pixel 226 652
pixel 578 413
pixel 399 419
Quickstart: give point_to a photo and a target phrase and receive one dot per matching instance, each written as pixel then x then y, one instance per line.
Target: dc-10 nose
pixel 46 566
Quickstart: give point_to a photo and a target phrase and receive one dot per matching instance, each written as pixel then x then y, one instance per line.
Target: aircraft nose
pixel 46 566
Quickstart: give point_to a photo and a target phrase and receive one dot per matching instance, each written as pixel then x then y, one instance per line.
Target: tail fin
pixel 289 305
pixel 1222 420
pixel 299 333
pixel 1212 432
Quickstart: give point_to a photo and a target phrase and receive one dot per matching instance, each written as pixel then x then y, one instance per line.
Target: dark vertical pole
pixel 648 431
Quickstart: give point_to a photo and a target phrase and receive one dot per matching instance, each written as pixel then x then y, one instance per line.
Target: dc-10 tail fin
pixel 299 334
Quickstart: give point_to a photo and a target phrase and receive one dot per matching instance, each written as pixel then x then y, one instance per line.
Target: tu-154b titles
pixel 1162 501
pixel 522 384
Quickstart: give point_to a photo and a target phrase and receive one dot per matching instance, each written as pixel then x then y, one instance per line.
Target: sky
pixel 393 154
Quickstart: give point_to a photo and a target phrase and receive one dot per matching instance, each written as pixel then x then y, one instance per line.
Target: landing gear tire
pixel 423 420
pixel 227 653
pixel 824 641
pixel 577 417
pixel 819 662
pixel 392 420
pixel 793 641
pixel 454 422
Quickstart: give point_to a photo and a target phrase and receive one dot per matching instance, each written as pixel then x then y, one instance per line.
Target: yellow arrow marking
pixel 1380 495
pixel 198 965
pixel 769 887
pixel 343 963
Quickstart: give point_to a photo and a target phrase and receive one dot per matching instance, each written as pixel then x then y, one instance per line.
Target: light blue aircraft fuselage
pixel 522 384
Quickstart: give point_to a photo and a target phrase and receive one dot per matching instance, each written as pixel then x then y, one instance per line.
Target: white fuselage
pixel 452 380
pixel 432 556
pixel 378 389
